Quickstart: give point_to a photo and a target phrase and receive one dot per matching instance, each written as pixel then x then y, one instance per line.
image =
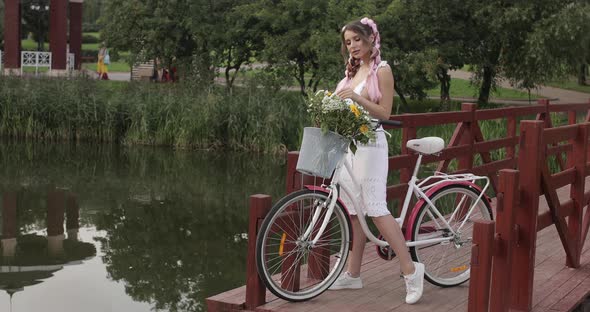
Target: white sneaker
pixel 345 281
pixel 415 284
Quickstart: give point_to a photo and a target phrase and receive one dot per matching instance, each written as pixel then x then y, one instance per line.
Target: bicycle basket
pixel 320 153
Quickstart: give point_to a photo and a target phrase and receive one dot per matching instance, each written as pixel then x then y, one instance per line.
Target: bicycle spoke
pixel 447 263
pixel 290 265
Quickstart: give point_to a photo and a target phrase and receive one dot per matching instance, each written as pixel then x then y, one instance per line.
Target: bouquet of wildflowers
pixel 331 113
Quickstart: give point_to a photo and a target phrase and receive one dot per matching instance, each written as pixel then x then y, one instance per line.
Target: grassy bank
pixel 464 89
pixel 177 115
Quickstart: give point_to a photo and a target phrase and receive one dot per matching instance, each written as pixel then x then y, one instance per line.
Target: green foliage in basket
pixel 331 113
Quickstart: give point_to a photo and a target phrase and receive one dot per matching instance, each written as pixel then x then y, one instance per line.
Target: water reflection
pixel 29 259
pixel 166 227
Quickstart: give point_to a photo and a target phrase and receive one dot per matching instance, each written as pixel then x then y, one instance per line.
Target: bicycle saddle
pixel 427 145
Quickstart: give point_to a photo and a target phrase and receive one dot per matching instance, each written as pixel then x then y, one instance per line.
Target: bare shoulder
pixel 384 72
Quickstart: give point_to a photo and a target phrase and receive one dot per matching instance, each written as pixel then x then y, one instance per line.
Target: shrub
pixel 89 39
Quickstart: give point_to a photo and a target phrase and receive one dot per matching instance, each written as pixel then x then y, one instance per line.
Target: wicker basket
pixel 320 153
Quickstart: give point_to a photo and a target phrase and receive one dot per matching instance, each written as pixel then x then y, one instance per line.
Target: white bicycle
pixel 304 241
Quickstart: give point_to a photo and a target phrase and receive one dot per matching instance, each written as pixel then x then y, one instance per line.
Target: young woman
pixel 101 66
pixel 369 82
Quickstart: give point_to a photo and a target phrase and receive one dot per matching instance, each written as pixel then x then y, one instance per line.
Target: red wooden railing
pixel 466 142
pixel 513 246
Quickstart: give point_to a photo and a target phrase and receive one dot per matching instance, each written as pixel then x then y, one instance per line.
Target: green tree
pixel 240 41
pixel 556 44
pixel 155 29
pixel 303 37
pixel 528 42
pixel 91 14
pixel 35 15
pixel 444 28
pixel 407 50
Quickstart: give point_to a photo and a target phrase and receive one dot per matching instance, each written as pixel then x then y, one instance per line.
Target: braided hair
pixel 364 28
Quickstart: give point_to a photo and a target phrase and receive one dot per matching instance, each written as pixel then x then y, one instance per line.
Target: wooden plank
pixel 481 265
pixel 555 207
pixel 564 285
pixel 497 113
pixel 506 206
pixel 563 178
pixel 569 107
pixel 560 134
pixel 401 162
pixel 493 167
pixel 487 146
pixel 432 119
pixel 531 148
pixel 558 149
pixel 574 298
pixel 384 290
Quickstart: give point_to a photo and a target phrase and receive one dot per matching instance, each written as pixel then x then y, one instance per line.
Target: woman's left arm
pixel 381 110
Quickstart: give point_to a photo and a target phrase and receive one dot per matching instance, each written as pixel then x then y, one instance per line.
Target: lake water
pixel 108 228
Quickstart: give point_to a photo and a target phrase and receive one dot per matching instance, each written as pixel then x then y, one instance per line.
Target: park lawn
pixel 571 84
pixel 463 88
pixel 31 45
pixel 113 67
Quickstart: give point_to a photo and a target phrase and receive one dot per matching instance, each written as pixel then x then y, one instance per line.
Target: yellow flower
pixel 364 129
pixel 355 110
pixel 328 93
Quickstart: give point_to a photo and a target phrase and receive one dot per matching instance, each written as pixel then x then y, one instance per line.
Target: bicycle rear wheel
pixel 448 263
pixel 292 267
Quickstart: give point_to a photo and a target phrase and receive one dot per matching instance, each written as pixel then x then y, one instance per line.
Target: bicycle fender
pixel 431 191
pixel 323 190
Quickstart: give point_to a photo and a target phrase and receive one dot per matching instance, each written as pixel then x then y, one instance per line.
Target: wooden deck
pixel 556 287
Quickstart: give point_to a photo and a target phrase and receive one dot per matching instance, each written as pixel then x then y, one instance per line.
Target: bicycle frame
pixel 419 190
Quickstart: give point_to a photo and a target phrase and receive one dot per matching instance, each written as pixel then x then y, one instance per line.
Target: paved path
pixel 558 96
pixel 120 76
pixel 555 94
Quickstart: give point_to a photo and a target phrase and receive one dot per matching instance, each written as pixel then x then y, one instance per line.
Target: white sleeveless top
pixel 359 88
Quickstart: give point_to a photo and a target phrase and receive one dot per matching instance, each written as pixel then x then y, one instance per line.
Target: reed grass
pixel 177 115
pixel 182 116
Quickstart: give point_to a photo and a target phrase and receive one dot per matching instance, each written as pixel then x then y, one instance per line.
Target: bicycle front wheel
pixel 289 264
pixel 448 263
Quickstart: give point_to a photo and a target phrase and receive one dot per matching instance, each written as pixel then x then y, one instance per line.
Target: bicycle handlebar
pixel 393 123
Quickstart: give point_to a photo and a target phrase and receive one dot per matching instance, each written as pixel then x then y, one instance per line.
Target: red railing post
pixel 408 133
pixel 544 116
pixel 507 201
pixel 292 184
pixel 255 290
pixel 467 138
pixel 530 159
pixel 579 153
pixel 481 266
pixel 510 133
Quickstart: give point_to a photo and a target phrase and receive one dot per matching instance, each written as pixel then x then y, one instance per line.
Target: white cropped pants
pixel 370 167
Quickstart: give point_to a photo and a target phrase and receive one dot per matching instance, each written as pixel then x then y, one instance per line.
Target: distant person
pixel 103 60
pixel 155 71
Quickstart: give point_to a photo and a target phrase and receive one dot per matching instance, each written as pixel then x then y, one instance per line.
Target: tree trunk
pixel 404 104
pixel 301 75
pixel 582 75
pixel 445 88
pixel 486 86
